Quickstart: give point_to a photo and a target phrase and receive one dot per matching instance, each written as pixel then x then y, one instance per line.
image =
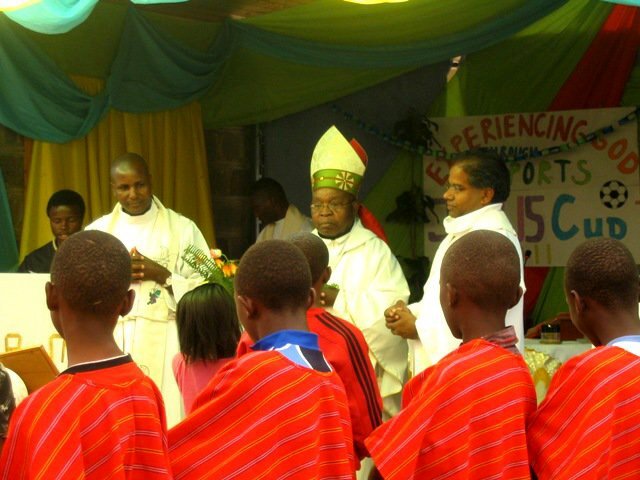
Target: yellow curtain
pixel 172 142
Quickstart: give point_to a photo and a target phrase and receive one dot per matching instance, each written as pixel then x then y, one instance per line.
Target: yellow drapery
pixel 172 142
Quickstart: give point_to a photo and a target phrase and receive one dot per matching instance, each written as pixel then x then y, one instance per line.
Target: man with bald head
pixel 101 417
pixel 155 236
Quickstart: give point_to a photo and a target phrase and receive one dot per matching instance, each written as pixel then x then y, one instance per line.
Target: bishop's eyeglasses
pixel 333 206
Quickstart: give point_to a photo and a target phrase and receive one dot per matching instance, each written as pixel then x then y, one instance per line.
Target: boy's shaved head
pixel 604 270
pixel 485 266
pixel 275 273
pixel 315 250
pixel 92 271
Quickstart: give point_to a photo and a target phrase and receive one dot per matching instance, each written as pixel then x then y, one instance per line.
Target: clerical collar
pixel 465 222
pixel 141 219
pixel 342 237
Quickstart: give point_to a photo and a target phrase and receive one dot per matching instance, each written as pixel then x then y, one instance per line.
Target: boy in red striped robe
pixel 588 426
pixel 343 345
pixel 465 417
pixel 279 411
pixel 102 417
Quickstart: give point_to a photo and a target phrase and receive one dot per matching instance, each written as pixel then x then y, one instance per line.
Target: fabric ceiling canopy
pixel 59 16
pixel 245 71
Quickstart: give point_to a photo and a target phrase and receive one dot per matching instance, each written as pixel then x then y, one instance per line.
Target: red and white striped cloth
pixel 588 425
pixel 96 424
pixel 462 418
pixel 264 417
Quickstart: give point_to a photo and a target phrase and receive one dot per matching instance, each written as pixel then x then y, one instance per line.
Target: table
pixel 544 359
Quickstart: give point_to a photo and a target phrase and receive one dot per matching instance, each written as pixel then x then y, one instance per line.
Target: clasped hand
pixel 401 321
pixel 143 268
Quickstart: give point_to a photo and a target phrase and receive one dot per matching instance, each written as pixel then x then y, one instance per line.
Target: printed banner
pixel 560 199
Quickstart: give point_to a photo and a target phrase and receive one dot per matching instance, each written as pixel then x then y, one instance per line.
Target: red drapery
pixel 598 81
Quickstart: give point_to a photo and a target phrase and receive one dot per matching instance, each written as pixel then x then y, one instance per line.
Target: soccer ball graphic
pixel 613 194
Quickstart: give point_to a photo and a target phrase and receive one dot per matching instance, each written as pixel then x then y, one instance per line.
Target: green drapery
pixel 37 100
pixel 8 247
pixel 524 72
pixel 631 95
pixel 551 300
pixel 252 70
pixel 520 74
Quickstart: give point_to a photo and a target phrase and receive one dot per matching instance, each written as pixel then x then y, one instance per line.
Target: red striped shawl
pixel 346 350
pixel 463 418
pixel 588 426
pixel 102 424
pixel 344 346
pixel 264 417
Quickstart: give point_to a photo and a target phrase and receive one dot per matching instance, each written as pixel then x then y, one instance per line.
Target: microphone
pixel 527 254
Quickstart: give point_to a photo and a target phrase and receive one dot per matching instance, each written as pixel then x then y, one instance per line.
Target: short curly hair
pixel 276 273
pixel 604 270
pixel 92 271
pixel 485 265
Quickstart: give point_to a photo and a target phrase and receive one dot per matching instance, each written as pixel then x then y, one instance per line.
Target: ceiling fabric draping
pixel 52 16
pixel 632 3
pixel 523 73
pixel 59 16
pixel 598 81
pixel 252 70
pixel 556 63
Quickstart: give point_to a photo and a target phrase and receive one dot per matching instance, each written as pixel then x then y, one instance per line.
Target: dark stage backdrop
pixel 287 143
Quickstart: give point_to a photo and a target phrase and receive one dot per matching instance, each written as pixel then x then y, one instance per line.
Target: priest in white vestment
pixel 478 185
pixel 365 271
pixel 156 237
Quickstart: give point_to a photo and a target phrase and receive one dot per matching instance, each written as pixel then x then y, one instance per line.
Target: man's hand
pixel 143 268
pixel 401 321
pixel 328 296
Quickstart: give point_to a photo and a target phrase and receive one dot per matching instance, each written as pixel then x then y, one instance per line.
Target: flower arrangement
pixel 214 267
